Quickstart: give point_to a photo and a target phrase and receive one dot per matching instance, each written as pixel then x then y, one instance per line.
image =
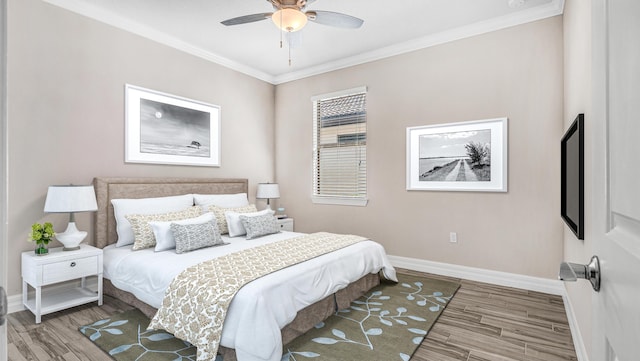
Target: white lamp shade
pixel 268 191
pixel 70 198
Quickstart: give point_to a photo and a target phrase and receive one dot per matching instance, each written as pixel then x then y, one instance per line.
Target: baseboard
pixel 514 280
pixel 538 284
pixel 14 304
pixel 576 335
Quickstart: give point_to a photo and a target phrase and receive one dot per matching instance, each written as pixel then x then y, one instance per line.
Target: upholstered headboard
pixel 116 188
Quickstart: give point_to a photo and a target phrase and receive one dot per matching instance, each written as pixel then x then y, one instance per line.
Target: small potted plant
pixel 42 235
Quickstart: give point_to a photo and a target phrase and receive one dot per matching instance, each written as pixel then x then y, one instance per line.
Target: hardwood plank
pixel 548 353
pixel 434 350
pixel 530 328
pixel 14 353
pixel 476 355
pixel 479 327
pixel 497 311
pixel 538 340
pixel 529 302
pixel 70 357
pixel 492 345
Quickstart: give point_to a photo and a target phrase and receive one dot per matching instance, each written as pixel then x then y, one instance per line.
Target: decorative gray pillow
pixel 190 237
pixel 260 225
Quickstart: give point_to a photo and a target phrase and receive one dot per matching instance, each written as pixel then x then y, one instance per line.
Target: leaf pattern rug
pixel 124 337
pixel 386 324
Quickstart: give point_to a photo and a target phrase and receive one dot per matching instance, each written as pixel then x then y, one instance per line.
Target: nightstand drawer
pixel 70 269
pixel 285 224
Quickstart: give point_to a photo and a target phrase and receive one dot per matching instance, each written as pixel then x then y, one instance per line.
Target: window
pixel 340 147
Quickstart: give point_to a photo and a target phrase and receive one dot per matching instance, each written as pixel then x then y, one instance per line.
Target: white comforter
pixel 261 308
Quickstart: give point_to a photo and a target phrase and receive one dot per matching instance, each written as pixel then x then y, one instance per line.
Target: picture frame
pixel 163 128
pixel 465 156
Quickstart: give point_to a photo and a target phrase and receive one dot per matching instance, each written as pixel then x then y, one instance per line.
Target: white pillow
pixel 164 236
pixel 234 223
pixel 221 200
pixel 222 219
pixel 122 207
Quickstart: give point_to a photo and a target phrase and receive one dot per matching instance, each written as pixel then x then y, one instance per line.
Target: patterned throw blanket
pixel 195 304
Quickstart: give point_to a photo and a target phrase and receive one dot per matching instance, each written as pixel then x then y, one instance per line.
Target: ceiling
pixel 390 27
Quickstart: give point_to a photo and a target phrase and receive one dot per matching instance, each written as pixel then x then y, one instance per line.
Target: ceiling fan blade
pixel 334 19
pixel 246 19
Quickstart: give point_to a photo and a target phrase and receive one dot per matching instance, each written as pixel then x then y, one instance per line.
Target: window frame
pixel 335 199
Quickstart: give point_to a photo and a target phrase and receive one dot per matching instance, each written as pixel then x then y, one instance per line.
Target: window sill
pixel 360 202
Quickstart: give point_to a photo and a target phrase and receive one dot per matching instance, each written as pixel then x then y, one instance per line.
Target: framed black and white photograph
pixel 167 129
pixel 465 156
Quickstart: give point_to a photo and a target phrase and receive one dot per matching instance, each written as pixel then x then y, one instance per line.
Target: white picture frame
pixel 465 156
pixel 167 129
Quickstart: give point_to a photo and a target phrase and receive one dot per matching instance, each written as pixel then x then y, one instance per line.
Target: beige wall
pixel 66 112
pixel 517 73
pixel 577 99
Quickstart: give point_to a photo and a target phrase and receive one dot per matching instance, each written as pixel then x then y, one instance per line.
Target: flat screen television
pixel 572 177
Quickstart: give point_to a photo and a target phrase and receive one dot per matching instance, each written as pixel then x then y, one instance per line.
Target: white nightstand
pixel 59 266
pixel 285 224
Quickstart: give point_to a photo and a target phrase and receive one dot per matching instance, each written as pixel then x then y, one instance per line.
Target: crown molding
pixel 553 8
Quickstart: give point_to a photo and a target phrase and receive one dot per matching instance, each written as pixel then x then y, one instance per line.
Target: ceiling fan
pixel 291 15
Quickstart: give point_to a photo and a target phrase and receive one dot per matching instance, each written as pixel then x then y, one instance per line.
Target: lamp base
pixel 71 237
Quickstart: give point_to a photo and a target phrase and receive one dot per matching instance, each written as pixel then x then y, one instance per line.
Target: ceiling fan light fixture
pixel 289 20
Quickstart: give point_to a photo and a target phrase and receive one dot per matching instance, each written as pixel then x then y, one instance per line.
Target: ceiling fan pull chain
pixel 281 30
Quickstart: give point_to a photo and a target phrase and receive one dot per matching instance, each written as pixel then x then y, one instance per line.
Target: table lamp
pixel 268 191
pixel 70 199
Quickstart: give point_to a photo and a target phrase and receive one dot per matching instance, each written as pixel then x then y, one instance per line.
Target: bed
pixel 294 299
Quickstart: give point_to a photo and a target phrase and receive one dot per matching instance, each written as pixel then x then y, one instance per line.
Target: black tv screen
pixel 572 177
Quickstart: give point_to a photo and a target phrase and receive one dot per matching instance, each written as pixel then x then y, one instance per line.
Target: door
pixel 3 177
pixel 616 175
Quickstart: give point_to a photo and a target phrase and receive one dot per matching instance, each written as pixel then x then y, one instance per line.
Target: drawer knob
pixel 73 264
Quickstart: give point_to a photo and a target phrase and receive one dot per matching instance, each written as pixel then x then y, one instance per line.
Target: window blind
pixel 340 145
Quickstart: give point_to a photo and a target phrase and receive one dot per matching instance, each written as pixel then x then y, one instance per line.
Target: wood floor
pixel 482 322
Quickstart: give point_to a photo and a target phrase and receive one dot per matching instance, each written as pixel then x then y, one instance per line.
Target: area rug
pixel 124 337
pixel 388 323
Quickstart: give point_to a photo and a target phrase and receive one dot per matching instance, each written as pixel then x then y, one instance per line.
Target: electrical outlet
pixel 453 237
